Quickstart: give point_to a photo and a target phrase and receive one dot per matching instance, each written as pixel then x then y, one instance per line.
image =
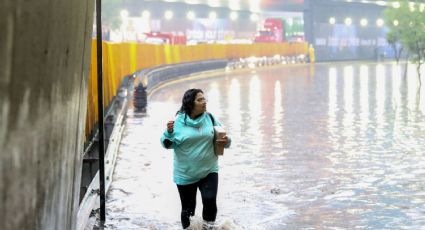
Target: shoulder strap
pixel 212 118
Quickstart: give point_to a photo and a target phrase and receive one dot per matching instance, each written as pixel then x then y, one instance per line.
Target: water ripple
pixel 340 149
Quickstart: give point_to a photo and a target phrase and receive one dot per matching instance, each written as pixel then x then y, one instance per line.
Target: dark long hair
pixel 188 101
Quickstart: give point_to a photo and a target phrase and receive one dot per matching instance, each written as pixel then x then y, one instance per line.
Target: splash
pixel 197 223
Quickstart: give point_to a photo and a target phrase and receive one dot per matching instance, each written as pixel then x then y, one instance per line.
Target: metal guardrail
pixel 150 78
pixel 114 126
pixel 91 197
pixel 171 72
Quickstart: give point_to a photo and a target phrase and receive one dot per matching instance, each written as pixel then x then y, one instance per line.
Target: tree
pixel 393 38
pixel 111 13
pixel 407 25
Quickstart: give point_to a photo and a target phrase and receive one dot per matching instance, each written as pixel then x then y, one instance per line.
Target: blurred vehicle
pixel 296 38
pixel 165 38
pixel 192 42
pixel 272 31
pixel 156 41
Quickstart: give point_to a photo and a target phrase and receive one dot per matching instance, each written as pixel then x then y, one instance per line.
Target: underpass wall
pixel 44 62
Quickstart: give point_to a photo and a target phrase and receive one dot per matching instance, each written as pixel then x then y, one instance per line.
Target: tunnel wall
pixel 122 59
pixel 44 61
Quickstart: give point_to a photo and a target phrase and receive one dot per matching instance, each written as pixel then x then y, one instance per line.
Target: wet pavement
pixel 337 146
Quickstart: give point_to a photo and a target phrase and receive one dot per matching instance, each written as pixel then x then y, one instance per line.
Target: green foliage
pixel 111 13
pixel 410 30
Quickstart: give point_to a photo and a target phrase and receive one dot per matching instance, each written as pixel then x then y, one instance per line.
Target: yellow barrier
pixel 122 59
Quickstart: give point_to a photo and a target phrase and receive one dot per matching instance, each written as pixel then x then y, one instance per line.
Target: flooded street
pixel 335 147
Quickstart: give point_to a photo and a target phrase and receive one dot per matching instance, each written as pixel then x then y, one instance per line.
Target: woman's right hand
pixel 170 126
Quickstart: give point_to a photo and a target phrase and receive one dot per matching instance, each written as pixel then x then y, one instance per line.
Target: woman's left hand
pixel 223 141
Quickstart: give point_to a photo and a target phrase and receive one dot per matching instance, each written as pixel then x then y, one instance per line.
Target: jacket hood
pixel 196 123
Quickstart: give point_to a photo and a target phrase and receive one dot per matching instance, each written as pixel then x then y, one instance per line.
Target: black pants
pixel 208 187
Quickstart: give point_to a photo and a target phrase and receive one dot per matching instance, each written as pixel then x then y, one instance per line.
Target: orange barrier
pixel 122 59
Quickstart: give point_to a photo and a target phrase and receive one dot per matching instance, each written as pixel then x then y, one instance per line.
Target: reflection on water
pixel 364 99
pixel 340 149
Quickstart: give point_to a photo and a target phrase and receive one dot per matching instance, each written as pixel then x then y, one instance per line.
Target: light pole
pixel 100 111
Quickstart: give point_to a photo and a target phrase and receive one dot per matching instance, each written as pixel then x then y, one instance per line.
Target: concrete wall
pixel 44 59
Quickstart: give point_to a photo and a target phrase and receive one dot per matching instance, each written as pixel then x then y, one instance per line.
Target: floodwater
pixel 334 146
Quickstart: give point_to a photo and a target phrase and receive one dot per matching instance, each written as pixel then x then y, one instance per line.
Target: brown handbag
pixel 219 133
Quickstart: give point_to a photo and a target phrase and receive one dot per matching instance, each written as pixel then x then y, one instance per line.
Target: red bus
pixel 272 31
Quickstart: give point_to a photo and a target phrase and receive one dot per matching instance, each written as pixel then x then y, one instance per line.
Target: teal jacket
pixel 192 142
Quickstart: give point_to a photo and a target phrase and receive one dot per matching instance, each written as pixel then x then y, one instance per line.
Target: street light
pixel 212 15
pixel 233 16
pixel 381 3
pixel 146 14
pixel 412 6
pixel 254 17
pixel 168 14
pixel 363 22
pixel 396 5
pixel 379 22
pixel 332 20
pixel 190 15
pixel 124 13
pixel 395 22
pixel 348 21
